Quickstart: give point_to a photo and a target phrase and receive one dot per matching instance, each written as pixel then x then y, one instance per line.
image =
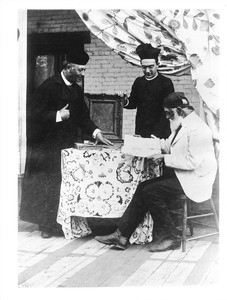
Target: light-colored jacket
pixel 192 156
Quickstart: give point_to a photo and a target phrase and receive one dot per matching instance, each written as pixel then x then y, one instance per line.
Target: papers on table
pixel 138 146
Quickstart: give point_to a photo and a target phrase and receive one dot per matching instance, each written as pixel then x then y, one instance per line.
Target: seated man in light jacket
pixel 190 168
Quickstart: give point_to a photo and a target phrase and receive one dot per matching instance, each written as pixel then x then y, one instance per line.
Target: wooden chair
pixel 189 213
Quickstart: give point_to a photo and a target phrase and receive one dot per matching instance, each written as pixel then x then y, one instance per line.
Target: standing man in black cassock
pixel 57 110
pixel 147 95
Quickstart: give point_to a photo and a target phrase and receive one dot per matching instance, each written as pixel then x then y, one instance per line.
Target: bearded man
pixel 190 168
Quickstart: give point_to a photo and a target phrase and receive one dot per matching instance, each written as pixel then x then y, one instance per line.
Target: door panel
pixel 44 68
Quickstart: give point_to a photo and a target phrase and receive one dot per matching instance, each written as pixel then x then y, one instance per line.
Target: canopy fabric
pixel 124 30
pixel 188 39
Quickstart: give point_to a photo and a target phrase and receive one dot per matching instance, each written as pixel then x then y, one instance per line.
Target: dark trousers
pixel 155 196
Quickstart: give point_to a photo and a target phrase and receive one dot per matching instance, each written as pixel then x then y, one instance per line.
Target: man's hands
pixel 124 98
pixel 64 113
pixel 156 158
pixel 100 138
pixel 154 137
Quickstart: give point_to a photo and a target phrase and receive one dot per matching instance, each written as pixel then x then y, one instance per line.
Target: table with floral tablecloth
pixel 100 183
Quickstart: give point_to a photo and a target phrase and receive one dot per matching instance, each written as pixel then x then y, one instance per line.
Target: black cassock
pixel 42 180
pixel 147 97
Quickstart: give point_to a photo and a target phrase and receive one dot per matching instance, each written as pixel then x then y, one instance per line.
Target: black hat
pixel 146 51
pixel 176 99
pixel 79 58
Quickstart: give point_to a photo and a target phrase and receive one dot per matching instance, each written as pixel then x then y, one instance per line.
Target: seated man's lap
pixel 165 187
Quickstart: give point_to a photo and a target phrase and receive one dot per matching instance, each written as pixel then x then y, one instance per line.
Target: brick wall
pixel 106 71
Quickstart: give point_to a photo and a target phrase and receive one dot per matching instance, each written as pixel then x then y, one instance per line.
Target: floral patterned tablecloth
pixel 100 184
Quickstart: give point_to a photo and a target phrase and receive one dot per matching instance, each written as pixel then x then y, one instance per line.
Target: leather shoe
pixel 115 238
pixel 157 239
pixel 165 245
pixel 46 234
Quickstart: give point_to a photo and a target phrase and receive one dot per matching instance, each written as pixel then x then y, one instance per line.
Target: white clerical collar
pixel 64 79
pixel 151 78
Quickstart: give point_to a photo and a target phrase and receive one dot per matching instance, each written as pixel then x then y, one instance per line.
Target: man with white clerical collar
pixel 58 109
pixel 147 95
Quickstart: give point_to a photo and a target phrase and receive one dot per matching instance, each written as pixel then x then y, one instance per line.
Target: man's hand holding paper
pixel 143 147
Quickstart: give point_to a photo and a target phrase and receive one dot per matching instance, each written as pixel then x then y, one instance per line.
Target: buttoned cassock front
pixel 147 97
pixel 41 185
pixel 192 156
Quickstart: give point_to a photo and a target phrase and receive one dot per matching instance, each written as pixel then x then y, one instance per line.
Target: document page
pixel 138 146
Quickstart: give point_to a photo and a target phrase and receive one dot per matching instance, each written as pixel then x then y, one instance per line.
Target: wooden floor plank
pixel 46 277
pixel 185 267
pixel 127 266
pixel 202 266
pixel 31 252
pixel 160 275
pixel 197 251
pixel 51 259
pixel 29 256
pixel 179 274
pixel 212 277
pixel 178 254
pixel 90 275
pixel 28 237
pixel 33 260
pixel 88 257
pixel 89 248
pixel 35 242
pixel 161 255
pixel 144 271
pixel 170 263
pixel 84 262
pixel 65 264
pixel 58 244
pixel 71 272
pixel 119 276
pixel 101 269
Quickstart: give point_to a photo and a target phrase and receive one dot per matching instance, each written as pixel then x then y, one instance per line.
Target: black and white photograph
pixel 113 162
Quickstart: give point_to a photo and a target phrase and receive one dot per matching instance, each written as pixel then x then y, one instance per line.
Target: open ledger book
pixel 138 146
